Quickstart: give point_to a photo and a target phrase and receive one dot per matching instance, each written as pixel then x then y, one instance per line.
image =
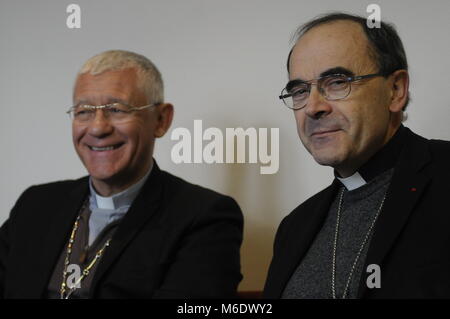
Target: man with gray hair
pixel 380 230
pixel 129 229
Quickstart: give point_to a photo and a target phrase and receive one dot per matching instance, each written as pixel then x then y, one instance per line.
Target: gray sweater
pixel 312 279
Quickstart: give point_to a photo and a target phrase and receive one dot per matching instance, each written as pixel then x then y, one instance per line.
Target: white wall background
pixel 223 61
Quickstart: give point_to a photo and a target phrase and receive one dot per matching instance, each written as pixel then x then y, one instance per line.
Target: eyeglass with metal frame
pixel 333 87
pixel 117 112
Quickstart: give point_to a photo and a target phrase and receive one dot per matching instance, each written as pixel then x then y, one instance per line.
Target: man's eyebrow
pixel 112 100
pixel 291 84
pixel 109 99
pixel 78 102
pixel 337 70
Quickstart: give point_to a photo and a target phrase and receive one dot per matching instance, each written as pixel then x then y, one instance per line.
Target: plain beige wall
pixel 223 62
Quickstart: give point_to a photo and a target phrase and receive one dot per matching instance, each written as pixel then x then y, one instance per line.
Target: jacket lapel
pixel 57 233
pixel 143 208
pixel 292 249
pixel 408 183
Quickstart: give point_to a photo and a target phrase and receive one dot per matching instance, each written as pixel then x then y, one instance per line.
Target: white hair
pixel 149 77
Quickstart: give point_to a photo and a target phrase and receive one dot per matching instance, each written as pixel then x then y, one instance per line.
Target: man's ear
pixel 165 116
pixel 399 89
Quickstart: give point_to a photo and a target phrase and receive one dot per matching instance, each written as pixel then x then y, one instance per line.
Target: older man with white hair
pixel 128 230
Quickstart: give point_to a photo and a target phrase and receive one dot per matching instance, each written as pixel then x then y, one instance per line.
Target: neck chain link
pixel 333 274
pixel 66 291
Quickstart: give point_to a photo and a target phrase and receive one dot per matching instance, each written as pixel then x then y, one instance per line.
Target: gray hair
pixel 149 77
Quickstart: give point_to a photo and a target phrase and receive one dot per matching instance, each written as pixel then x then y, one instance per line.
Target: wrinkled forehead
pixel 337 44
pixel 107 86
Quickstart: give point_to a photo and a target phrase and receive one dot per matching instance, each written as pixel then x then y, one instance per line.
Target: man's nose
pixel 100 125
pixel 317 106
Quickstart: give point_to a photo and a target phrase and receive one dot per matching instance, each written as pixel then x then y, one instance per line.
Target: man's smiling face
pixel 116 154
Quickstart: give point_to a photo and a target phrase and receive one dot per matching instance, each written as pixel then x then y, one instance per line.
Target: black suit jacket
pixel 177 240
pixel 411 240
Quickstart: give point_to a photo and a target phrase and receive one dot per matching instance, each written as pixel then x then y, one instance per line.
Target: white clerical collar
pixel 125 197
pixel 104 202
pixel 352 182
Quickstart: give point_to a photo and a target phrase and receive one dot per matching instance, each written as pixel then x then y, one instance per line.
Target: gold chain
pixel 86 270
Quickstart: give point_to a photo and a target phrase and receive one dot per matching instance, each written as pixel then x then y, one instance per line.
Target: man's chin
pixel 327 159
pixel 103 175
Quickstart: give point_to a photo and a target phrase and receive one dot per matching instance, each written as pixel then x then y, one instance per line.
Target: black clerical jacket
pixel 411 239
pixel 177 240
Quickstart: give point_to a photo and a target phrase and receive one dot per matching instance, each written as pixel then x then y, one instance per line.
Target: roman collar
pixel 380 162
